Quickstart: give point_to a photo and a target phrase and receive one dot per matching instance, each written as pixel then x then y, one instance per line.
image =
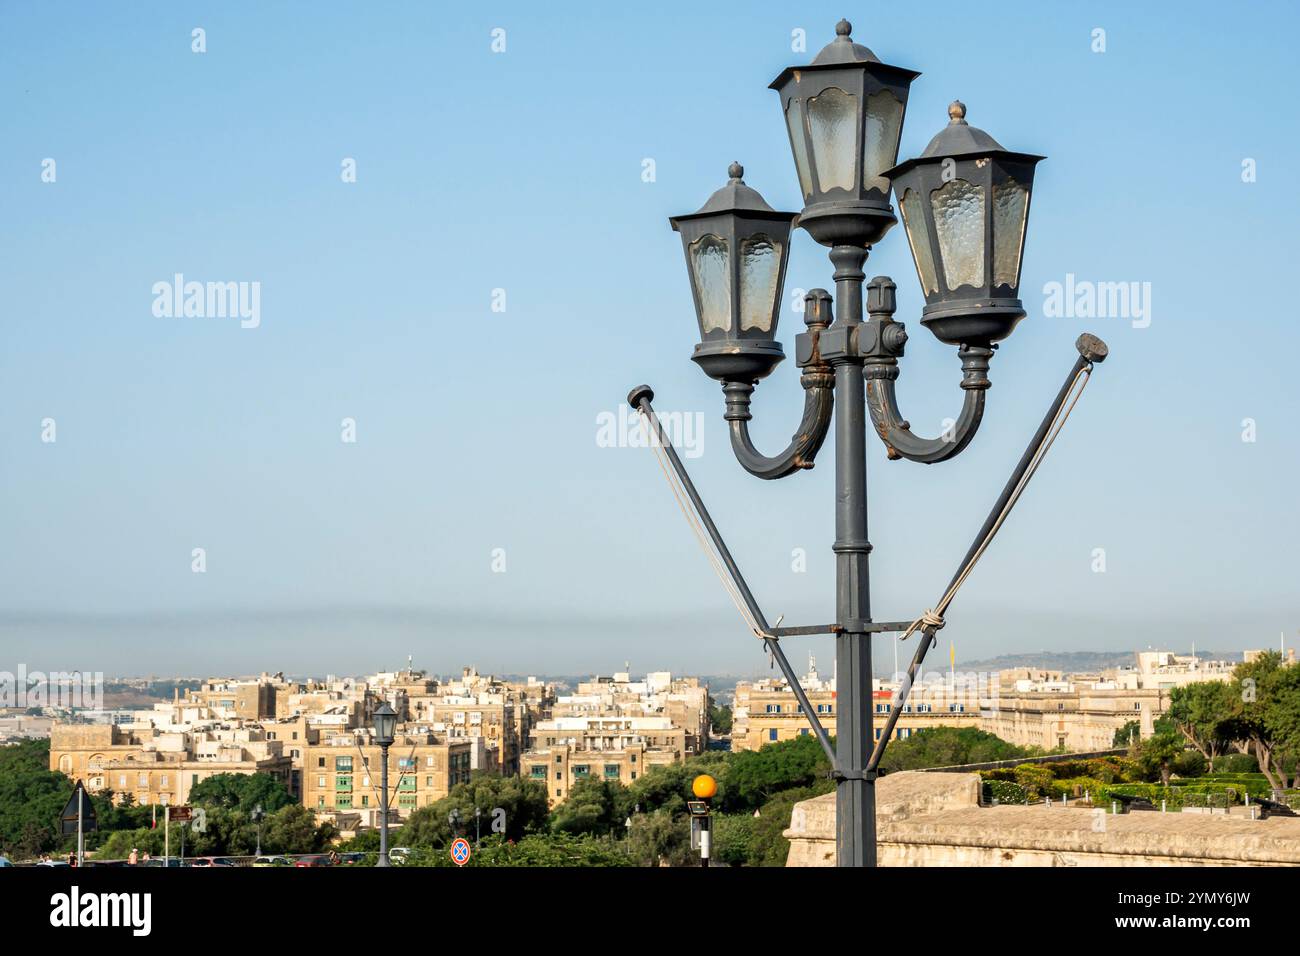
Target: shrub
pixel 1005 791
pixel 1036 779
pixel 1190 763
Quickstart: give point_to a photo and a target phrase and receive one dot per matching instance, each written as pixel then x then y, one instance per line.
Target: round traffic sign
pixel 460 851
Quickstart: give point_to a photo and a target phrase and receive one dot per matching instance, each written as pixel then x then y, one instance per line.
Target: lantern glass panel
pixel 799 146
pixel 918 237
pixel 712 274
pixel 832 124
pixel 959 222
pixel 760 263
pixel 1010 204
pixel 884 124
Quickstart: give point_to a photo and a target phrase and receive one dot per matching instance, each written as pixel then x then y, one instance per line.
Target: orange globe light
pixel 704 786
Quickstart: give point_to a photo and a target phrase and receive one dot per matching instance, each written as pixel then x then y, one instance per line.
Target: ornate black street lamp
pixel 965 205
pixel 385 727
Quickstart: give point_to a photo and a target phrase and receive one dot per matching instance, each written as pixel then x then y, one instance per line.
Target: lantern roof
pixel 843 50
pixel 735 197
pixel 959 139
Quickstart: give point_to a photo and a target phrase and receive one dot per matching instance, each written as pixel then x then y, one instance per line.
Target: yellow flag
pixel 952 654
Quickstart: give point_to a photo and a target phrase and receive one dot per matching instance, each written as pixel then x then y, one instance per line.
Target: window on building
pixel 771 734
pixel 558 759
pixel 343 801
pixel 365 800
pixel 633 774
pixel 611 770
pixel 536 771
pixel 143 779
pixel 320 781
pixel 406 783
pixel 343 763
pixel 581 770
pixel 343 782
pixel 320 761
pixel 557 792
pixel 406 763
pixel 407 799
pixel 558 775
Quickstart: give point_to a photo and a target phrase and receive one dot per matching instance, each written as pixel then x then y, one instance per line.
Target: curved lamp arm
pixel 818 381
pixel 818 404
pixel 900 441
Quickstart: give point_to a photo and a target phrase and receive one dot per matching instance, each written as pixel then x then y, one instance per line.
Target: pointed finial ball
pixel 957 111
pixel 843 28
pixel 736 171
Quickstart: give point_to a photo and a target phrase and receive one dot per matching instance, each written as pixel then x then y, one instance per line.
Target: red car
pixel 316 859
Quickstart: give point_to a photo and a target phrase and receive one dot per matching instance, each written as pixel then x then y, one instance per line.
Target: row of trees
pixel 32 796
pixel 1256 713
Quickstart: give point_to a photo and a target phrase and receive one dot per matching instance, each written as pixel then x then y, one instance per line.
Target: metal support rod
pixel 1091 349
pixel 640 399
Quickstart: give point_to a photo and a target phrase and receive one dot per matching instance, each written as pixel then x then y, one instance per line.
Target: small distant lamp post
pixel 257 818
pixel 705 789
pixel 385 726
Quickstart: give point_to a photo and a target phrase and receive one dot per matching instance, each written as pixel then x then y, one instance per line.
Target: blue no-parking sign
pixel 460 851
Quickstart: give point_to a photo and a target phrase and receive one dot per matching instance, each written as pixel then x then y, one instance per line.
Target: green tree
pixel 293 829
pixel 1265 717
pixel 948 747
pixel 720 717
pixel 754 776
pixel 1156 754
pixel 1201 712
pixel 660 839
pixel 594 806
pixel 1126 735
pixel 240 791
pixel 31 798
pixel 522 801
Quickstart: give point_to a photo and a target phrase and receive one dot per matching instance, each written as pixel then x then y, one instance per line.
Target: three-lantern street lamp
pixel 965 204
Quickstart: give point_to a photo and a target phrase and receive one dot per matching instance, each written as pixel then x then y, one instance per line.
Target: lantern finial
pixel 957 112
pixel 736 171
pixel 843 28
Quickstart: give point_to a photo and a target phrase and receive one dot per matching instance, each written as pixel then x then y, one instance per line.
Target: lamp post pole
pixel 855 796
pixel 383 805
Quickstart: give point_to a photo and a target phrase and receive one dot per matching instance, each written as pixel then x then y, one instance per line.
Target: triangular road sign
pixel 80 799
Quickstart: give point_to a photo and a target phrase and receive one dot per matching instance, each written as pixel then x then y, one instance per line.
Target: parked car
pixel 351 859
pixel 272 861
pixel 398 855
pixel 316 859
pixel 4 861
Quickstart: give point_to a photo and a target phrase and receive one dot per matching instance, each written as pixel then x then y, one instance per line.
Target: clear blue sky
pixel 477 429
